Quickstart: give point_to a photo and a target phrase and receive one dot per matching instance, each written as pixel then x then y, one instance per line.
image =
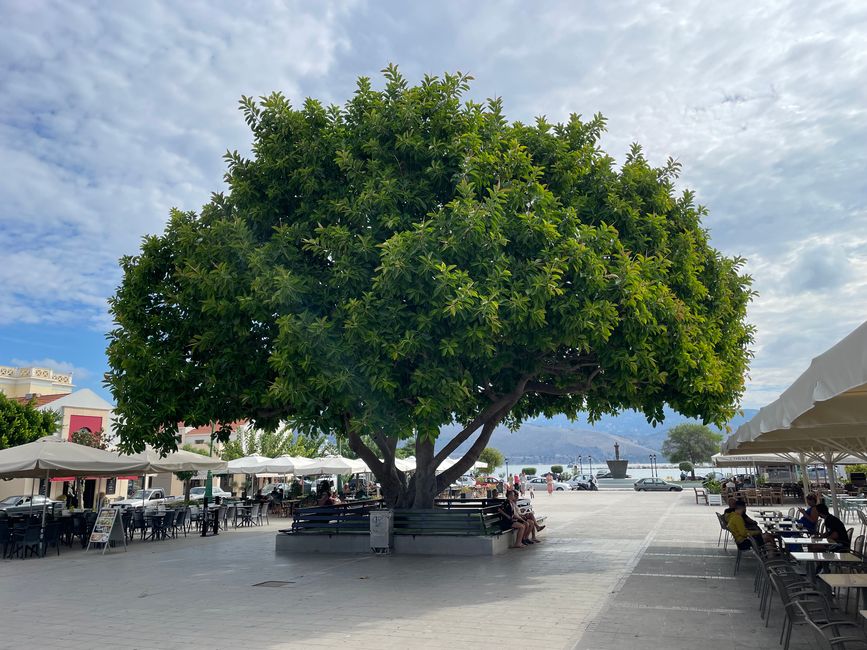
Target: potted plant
pixel 714 492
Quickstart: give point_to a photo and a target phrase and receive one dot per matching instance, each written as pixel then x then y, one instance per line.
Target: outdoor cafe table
pixel 812 559
pixel 847 581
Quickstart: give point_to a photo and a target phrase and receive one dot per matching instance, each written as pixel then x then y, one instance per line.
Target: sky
pixel 112 114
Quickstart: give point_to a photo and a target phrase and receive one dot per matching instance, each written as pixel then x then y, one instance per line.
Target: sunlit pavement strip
pixel 581 588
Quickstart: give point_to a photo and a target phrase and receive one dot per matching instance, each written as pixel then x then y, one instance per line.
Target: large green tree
pixel 22 423
pixel 691 443
pixel 411 259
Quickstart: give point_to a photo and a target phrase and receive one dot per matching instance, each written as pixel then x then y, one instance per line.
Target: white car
pixel 583 482
pixel 199 493
pixel 464 481
pixel 540 483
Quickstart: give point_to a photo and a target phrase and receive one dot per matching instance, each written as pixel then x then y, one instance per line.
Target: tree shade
pixel 410 260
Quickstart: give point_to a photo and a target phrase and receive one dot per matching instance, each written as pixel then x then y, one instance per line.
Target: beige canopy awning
pixel 821 417
pixel 823 414
pixel 176 461
pixel 51 456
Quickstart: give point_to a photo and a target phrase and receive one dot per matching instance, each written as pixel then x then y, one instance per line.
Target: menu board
pixel 107 528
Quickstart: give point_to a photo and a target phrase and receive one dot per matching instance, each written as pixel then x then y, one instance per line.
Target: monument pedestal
pixel 617 468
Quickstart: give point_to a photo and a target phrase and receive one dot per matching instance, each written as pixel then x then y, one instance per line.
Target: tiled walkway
pixel 617 570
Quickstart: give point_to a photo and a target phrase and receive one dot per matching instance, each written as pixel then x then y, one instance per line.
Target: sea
pixel 637 471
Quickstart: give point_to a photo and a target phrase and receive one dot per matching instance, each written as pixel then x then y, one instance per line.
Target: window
pixel 111 486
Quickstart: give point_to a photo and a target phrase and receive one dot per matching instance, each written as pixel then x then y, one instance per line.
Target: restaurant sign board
pixel 107 528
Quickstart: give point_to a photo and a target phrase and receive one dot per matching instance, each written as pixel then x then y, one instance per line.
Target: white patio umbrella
pixel 180 460
pixel 336 465
pixel 286 464
pixel 177 461
pixel 248 464
pixel 822 415
pixel 51 456
pixel 450 462
pixel 405 464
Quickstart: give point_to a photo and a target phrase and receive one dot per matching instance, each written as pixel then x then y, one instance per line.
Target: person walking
pixel 550 479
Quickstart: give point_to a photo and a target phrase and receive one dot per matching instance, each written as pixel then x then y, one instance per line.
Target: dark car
pixel 648 484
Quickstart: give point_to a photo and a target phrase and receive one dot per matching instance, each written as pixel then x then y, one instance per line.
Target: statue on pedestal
pixel 617 467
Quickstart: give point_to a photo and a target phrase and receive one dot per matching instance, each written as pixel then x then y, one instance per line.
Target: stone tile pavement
pixel 617 570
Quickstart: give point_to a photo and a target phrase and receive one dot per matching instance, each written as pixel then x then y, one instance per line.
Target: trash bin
pixel 381 530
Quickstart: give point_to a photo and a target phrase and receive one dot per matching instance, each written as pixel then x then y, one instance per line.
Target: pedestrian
pixel 550 480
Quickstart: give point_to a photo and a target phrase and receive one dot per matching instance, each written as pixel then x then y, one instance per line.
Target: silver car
pixel 649 484
pixel 540 483
pixel 22 504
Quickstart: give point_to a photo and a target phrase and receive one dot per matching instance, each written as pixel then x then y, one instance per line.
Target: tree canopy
pixel 412 259
pixel 693 443
pixel 492 458
pixel 22 423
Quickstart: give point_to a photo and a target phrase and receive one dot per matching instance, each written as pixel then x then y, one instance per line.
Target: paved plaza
pixel 618 570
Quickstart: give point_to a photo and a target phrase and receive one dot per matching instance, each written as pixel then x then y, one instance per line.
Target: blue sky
pixel 111 114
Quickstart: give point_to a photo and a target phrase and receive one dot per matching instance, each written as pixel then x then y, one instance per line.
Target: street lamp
pixel 580 465
pixel 653 465
pixel 508 476
pixel 590 464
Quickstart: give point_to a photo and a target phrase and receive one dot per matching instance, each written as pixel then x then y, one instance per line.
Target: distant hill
pixel 550 440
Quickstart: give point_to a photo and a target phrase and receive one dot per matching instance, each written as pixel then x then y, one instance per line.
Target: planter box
pixel 714 499
pixel 356 543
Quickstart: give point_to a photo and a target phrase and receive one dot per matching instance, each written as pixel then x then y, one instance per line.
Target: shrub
pixel 556 469
pixel 529 471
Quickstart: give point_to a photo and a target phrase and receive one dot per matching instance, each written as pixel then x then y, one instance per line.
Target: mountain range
pixel 558 440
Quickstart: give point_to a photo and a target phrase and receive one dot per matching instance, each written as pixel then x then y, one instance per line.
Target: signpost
pixel 107 528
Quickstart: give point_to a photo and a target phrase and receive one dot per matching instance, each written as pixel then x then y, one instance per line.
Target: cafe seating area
pixel 803 582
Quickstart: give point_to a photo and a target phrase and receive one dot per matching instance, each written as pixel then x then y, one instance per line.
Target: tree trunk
pixel 424 481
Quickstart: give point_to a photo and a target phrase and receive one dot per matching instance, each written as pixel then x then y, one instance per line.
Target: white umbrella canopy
pixel 248 464
pixel 823 414
pixel 336 465
pixel 450 462
pixel 52 456
pixel 745 460
pixel 286 464
pixel 405 464
pixel 177 461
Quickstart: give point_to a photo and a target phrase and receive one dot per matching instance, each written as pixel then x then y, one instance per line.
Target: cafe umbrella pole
pixel 209 489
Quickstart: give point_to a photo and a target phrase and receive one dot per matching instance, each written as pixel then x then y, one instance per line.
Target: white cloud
pixel 110 116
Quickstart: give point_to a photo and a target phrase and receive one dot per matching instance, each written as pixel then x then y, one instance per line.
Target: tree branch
pixel 364 452
pixel 549 389
pixel 466 462
pixel 506 401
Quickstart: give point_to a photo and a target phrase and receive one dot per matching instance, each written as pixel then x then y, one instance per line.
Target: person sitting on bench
pixel 528 516
pixel 519 525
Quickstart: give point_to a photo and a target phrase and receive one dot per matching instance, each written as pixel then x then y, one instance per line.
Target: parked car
pixel 144 499
pixel 648 484
pixel 583 482
pixel 197 493
pixel 464 481
pixel 19 504
pixel 489 482
pixel 541 483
